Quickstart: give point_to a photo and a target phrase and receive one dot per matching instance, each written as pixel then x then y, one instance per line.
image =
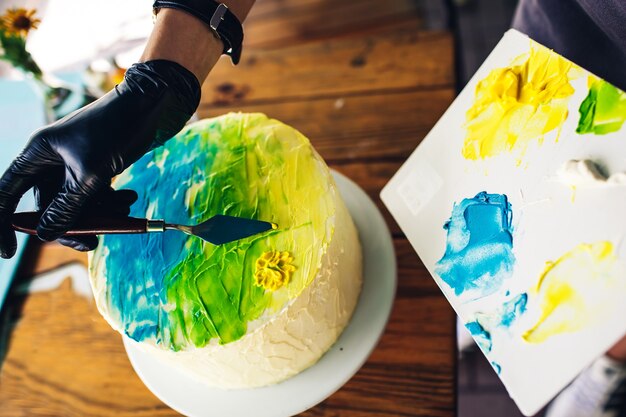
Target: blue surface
pixel 21 112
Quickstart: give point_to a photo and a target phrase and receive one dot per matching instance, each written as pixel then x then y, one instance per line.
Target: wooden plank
pixel 386 390
pixel 334 68
pixel 275 9
pixel 426 342
pixel 64 359
pixel 414 280
pixel 269 8
pixel 277 23
pixel 372 177
pixel 377 126
pixel 411 366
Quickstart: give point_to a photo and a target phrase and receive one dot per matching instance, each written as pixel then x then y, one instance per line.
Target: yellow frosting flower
pixel 18 22
pixel 273 270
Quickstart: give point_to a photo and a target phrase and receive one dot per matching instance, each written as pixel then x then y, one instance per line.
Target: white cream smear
pixel 586 173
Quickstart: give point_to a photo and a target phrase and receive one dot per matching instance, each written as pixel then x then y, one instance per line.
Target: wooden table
pixel 365 83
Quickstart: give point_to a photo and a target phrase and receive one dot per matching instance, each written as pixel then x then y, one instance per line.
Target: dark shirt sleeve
pixel 592 33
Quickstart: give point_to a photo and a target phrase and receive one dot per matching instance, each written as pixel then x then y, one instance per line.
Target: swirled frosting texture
pixel 182 293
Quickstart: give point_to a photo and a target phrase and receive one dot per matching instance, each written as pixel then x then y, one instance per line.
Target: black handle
pixel 27 223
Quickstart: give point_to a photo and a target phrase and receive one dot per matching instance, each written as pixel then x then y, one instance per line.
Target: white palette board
pixel 548 221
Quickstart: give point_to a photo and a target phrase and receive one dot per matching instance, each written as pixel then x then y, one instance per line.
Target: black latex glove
pixel 71 162
pixel 109 203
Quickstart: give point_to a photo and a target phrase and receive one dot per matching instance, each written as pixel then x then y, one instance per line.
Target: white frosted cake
pixel 249 313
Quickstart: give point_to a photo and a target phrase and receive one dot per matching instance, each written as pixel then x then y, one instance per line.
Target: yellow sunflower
pixel 18 22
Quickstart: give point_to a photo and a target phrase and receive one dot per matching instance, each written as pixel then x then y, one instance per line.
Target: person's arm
pixel 618 351
pixel 182 38
pixel 70 163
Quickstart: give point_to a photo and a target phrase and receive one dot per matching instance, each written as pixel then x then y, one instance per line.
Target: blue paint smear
pixel 482 336
pixel 485 324
pixel 512 309
pixel 496 367
pixel 135 280
pixel 479 247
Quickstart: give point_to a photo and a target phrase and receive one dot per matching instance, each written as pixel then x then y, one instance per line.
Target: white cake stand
pixel 333 370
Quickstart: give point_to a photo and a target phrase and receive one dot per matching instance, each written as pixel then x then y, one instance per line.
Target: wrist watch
pixel 221 21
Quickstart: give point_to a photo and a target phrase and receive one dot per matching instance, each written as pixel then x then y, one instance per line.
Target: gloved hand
pixel 108 203
pixel 71 162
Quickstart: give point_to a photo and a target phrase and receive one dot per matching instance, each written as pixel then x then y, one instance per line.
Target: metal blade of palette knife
pixel 222 229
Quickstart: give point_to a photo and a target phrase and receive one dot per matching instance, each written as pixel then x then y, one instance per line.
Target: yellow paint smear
pixel 519 104
pixel 571 290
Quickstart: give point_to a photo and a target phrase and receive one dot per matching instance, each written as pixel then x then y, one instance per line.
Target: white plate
pixel 333 370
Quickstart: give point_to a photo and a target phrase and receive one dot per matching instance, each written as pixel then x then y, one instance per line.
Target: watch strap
pixel 217 17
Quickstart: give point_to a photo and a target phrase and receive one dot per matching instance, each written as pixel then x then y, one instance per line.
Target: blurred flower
pixel 102 76
pixel 15 24
pixel 18 22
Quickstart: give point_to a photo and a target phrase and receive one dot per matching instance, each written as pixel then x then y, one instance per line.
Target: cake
pixel 249 313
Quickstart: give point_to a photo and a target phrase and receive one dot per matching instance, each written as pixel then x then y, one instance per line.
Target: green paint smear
pixel 180 291
pixel 603 110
